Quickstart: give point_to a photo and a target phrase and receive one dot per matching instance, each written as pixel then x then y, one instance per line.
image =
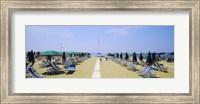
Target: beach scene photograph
pixel 99 51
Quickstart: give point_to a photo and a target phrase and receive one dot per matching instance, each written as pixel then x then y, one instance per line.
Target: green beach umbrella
pixel 51 53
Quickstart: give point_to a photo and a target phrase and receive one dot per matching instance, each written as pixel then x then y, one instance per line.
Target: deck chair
pixel 53 68
pixel 66 64
pixel 71 68
pixel 151 73
pixel 145 70
pixel 142 69
pixel 33 73
pixel 42 65
pixel 28 75
pixel 123 63
pixel 132 66
pixel 142 63
pixel 118 61
pixel 78 60
pixel 162 67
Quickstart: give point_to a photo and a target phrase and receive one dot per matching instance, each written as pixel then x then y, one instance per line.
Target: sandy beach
pixel 108 69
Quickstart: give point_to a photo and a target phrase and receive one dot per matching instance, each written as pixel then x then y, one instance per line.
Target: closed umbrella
pixel 134 57
pixel 149 60
pixel 154 57
pixel 141 57
pixel 126 56
pixel 31 58
pixel 63 56
pixel 117 55
pixel 121 56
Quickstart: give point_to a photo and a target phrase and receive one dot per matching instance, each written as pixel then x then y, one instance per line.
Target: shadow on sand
pixel 70 72
pixel 134 70
pixel 55 73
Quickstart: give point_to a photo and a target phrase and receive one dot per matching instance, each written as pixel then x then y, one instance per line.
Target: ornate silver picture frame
pixel 9 6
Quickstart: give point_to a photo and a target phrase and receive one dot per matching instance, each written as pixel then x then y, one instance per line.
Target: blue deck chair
pixel 66 64
pixel 150 73
pixel 71 67
pixel 33 72
pixel 147 68
pixel 140 71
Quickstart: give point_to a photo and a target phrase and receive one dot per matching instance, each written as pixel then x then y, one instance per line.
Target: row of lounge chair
pixel 132 66
pixel 124 63
pixel 148 71
pixel 52 68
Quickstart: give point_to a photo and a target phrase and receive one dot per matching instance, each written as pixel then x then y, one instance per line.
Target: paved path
pixel 96 73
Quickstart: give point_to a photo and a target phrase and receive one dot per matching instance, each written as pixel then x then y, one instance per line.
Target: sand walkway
pixel 96 72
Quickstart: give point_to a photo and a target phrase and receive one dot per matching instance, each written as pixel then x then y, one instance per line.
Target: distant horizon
pixel 102 52
pixel 100 39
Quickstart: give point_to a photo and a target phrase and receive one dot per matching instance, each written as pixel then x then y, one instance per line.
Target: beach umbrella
pixel 117 55
pixel 70 55
pixel 31 58
pixel 28 54
pixel 134 57
pixel 63 56
pixel 154 57
pixel 149 60
pixel 126 56
pixel 51 53
pixel 38 54
pixel 121 56
pixel 141 57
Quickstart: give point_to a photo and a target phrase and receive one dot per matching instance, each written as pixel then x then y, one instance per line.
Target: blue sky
pixel 112 38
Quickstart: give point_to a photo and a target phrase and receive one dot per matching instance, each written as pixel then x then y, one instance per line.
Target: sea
pixel 97 54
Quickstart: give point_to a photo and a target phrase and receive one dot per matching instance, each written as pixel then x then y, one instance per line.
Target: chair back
pixel 31 70
pixel 72 65
pixel 54 66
